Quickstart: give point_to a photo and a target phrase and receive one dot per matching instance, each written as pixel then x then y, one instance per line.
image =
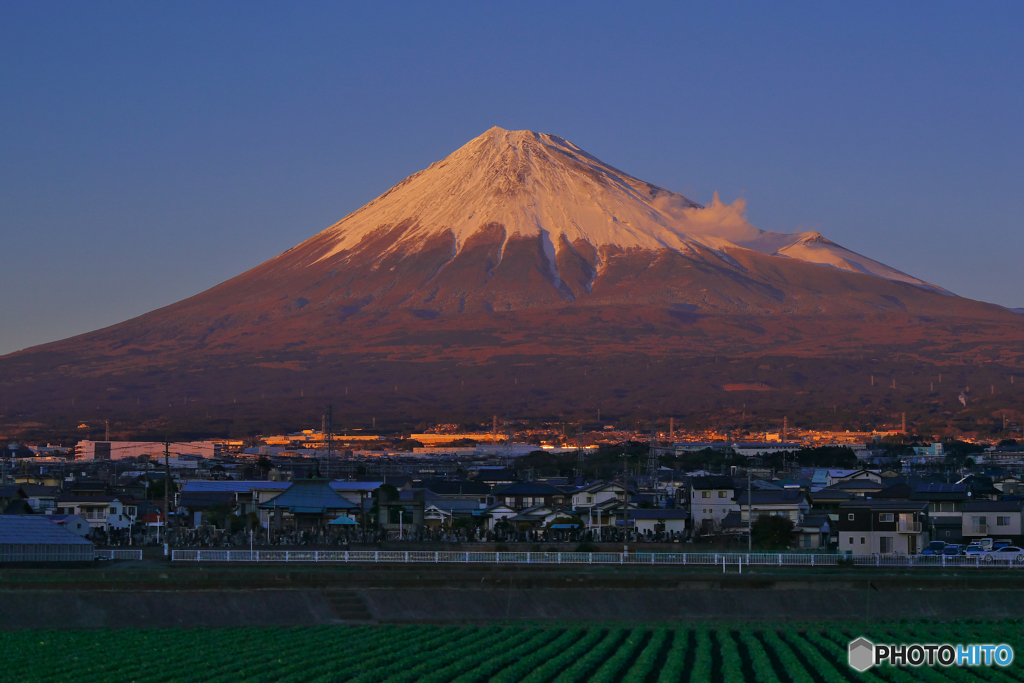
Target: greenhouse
pixel 34 538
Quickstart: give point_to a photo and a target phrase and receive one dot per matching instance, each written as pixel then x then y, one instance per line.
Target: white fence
pixel 118 554
pixel 724 560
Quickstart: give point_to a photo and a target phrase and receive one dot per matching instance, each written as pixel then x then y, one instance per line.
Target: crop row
pixel 808 653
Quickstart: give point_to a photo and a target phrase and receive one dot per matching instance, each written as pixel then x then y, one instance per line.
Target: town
pixel 519 485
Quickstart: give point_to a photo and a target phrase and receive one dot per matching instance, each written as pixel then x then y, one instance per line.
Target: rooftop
pixel 35 530
pixel 309 497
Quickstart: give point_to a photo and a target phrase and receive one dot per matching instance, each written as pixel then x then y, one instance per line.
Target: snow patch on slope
pixel 539 185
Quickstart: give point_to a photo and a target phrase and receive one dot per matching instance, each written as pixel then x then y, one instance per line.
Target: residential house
pixel 73 523
pixel 711 499
pixel 788 503
pixel 999 520
pixel 830 476
pixel 42 499
pixel 441 510
pixel 464 488
pixel 497 513
pixel 653 522
pixel 609 513
pixel 945 509
pixel 599 492
pixel 196 504
pixel 826 502
pixel 814 532
pixel 870 526
pixel 522 495
pixel 809 531
pixel 87 487
pixel 536 517
pixel 13 499
pixel 981 487
pixel 494 476
pixel 39 478
pixel 102 512
pixel 861 488
pixel 1010 486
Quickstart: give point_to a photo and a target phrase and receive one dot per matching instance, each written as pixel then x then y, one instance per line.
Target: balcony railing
pixel 908 527
pixel 981 529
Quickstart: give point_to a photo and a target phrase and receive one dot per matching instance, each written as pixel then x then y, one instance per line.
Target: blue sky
pixel 152 150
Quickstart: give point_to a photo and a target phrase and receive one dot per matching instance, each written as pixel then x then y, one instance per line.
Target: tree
pixel 772 532
pixel 220 514
pixel 156 489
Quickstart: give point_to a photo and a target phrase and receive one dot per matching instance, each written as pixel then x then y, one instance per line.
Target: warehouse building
pixel 122 450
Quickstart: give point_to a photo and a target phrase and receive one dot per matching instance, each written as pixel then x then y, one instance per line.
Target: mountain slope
pixel 517 246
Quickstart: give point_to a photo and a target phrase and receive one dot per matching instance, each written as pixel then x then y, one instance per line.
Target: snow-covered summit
pixel 537 184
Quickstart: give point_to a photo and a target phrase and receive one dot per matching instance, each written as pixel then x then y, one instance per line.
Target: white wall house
pixel 598 493
pixel 711 499
pixel 101 512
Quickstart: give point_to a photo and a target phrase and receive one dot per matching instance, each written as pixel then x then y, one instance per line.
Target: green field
pixel 810 653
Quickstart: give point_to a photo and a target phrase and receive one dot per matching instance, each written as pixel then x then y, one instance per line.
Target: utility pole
pixel 167 492
pixel 750 512
pixel 330 438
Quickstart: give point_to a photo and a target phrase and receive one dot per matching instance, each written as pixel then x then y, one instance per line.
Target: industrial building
pixel 121 450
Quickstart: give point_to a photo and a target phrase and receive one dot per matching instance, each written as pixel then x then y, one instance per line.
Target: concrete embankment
pixel 121 596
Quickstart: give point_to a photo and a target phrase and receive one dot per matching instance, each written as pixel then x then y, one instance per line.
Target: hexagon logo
pixel 862 654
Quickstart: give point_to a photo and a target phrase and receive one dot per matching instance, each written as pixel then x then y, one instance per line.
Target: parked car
pixel 952 550
pixel 934 548
pixel 1010 553
pixel 975 550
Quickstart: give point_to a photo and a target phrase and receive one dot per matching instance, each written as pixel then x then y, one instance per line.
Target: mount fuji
pixel 497 279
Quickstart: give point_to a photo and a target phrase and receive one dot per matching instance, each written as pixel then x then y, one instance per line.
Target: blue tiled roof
pixel 310 497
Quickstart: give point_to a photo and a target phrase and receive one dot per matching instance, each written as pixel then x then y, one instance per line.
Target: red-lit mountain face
pixel 520 250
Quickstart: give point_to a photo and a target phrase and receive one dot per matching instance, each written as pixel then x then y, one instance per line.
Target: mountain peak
pixel 541 186
pixel 529 183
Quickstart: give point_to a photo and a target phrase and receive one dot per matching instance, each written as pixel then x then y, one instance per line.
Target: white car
pixel 1006 554
pixel 974 549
